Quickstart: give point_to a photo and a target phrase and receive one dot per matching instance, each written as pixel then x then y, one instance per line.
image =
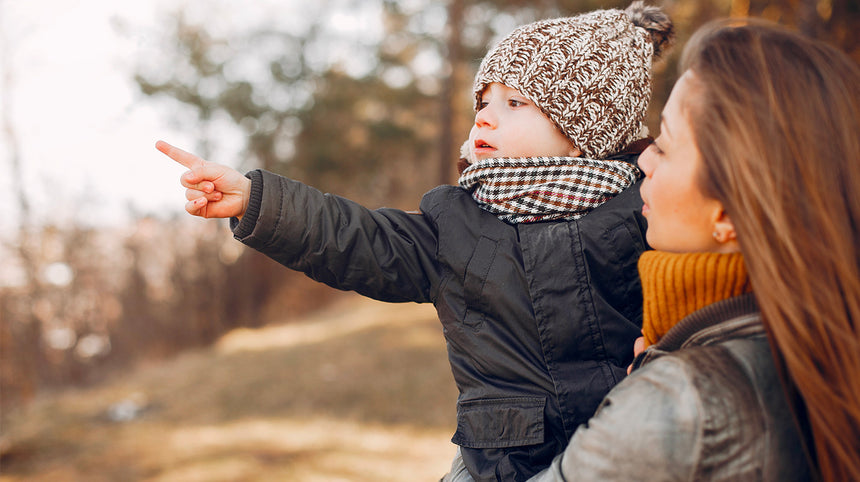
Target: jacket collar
pixel 736 317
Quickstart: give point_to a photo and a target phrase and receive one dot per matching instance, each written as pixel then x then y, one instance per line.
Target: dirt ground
pixel 360 391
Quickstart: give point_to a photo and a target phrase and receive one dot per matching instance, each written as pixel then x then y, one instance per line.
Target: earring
pixel 716 236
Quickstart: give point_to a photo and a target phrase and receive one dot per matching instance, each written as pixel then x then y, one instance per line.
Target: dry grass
pixel 358 392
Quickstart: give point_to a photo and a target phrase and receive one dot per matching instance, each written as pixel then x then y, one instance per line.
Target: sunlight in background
pixel 84 131
pixel 85 138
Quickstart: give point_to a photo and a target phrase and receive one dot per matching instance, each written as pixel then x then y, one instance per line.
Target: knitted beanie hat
pixel 590 74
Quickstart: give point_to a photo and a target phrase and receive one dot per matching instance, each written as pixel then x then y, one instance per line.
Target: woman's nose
pixel 645 162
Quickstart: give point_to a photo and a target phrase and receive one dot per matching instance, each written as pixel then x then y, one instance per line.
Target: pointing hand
pixel 213 190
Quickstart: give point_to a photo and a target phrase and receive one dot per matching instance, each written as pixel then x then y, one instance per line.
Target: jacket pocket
pixel 477 271
pixel 500 422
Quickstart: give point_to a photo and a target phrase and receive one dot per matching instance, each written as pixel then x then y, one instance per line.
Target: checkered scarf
pixel 532 189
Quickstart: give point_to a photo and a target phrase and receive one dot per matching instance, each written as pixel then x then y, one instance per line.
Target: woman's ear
pixel 724 232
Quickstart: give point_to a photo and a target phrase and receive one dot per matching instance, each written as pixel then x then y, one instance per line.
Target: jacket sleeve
pixel 648 427
pixel 386 254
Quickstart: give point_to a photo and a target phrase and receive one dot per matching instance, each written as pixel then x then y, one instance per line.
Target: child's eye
pixel 655 147
pixel 515 103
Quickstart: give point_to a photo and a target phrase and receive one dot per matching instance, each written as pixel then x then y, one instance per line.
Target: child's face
pixel 509 125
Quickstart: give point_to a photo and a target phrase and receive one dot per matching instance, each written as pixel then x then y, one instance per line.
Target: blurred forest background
pixel 378 120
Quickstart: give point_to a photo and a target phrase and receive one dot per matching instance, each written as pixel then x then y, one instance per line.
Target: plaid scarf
pixel 532 189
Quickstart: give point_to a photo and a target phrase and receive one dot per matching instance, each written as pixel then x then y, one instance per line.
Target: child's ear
pixel 574 151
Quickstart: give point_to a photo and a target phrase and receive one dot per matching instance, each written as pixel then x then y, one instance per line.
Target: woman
pixel 752 295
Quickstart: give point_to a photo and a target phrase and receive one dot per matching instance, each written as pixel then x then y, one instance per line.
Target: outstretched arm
pixel 212 190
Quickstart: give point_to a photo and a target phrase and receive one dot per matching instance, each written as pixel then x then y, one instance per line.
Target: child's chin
pixel 482 154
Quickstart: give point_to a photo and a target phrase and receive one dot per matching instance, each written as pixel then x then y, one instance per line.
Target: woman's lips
pixel 642 194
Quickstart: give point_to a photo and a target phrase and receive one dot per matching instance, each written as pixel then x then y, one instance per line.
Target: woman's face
pixel 680 217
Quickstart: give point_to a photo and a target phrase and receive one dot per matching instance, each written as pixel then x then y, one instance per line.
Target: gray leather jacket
pixel 705 403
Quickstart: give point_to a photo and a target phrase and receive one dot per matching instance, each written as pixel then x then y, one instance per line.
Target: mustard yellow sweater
pixel 677 284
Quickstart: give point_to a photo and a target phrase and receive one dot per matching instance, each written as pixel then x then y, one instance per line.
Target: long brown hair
pixel 777 122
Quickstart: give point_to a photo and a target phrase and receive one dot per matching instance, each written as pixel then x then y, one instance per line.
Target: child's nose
pixel 485 117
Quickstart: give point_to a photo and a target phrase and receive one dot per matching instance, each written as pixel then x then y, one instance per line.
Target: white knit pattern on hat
pixel 590 74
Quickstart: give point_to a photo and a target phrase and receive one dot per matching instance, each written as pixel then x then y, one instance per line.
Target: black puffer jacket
pixel 539 318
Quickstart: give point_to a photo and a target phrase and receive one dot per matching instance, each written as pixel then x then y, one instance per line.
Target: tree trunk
pixel 447 120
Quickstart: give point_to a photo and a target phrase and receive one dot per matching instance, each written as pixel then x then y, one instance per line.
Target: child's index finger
pixel 185 158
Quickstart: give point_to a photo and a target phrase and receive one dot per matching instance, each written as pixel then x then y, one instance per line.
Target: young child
pixel 530 262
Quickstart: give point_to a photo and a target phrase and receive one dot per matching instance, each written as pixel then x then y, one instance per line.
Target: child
pixel 531 262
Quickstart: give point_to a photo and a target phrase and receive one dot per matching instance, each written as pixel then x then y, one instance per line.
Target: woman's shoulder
pixel 730 394
pixel 731 370
pixel 667 378
pixel 665 412
pixel 689 415
pixel 652 421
